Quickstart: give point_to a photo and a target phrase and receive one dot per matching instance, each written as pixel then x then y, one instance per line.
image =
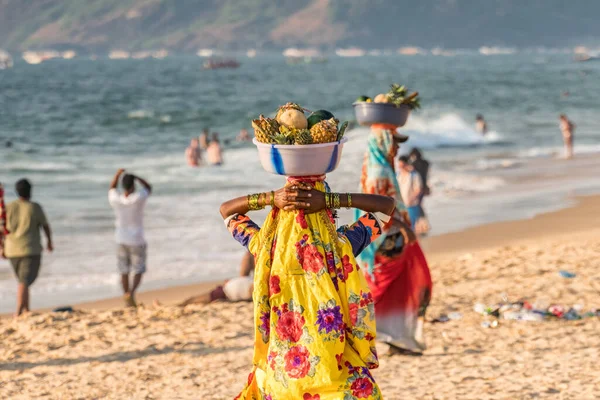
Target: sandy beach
pixel 204 352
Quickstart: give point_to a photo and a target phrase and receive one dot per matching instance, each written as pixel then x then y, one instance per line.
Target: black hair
pixel 128 182
pixel 479 117
pixel 416 152
pixel 404 159
pixel 23 188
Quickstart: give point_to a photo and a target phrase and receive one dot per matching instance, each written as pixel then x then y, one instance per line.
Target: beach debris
pixel 523 310
pixel 567 274
pixel 489 324
pixel 453 316
pixel 68 309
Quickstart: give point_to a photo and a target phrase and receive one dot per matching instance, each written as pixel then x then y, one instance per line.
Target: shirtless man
pixel 568 129
pixel 192 153
pixel 481 125
pixel 214 153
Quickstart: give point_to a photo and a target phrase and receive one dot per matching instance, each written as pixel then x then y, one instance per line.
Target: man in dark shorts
pixel 23 246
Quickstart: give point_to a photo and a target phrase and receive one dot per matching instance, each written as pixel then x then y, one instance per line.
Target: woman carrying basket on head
pixel 394 264
pixel 313 313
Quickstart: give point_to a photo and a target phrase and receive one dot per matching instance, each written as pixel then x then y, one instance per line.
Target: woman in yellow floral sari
pixel 314 315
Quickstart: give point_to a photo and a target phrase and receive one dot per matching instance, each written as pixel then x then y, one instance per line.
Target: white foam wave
pixel 449 130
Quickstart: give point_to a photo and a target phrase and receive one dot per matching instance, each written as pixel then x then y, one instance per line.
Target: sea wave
pixel 448 130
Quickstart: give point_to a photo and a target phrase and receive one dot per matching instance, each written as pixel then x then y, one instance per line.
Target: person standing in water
pixel 568 130
pixel 193 154
pixel 481 125
pixel 411 189
pixel 421 166
pixel 203 139
pixel 129 233
pixel 23 246
pixel 214 154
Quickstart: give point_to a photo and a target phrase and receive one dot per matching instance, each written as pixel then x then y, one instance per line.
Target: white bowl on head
pixel 300 160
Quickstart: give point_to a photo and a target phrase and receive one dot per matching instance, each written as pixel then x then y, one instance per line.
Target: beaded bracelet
pixel 349 205
pixel 272 199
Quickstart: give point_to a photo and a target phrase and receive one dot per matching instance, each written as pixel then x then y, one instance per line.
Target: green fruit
pixel 342 130
pixel 318 116
pixel 362 99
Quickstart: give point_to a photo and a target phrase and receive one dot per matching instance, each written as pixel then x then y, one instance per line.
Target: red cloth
pixel 401 283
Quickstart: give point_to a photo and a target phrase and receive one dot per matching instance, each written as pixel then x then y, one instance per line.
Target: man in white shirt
pixel 129 232
pixel 411 189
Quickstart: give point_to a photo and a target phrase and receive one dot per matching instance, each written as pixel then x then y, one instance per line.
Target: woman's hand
pixel 300 196
pixel 294 197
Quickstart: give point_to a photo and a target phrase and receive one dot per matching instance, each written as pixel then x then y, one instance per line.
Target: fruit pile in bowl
pixel 292 127
pixel 293 144
pixel 391 108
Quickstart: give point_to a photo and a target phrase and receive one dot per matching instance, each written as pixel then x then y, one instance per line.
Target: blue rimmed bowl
pixel 380 113
pixel 300 160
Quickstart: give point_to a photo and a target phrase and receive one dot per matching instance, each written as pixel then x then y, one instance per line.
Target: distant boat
pixel 351 52
pixel 220 64
pixel 251 53
pixel 6 60
pixel 305 60
pixel 119 55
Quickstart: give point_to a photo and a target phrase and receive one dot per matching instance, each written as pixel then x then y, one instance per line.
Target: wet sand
pixel 204 352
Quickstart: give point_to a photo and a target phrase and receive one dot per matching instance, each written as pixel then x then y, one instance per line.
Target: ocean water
pixel 74 122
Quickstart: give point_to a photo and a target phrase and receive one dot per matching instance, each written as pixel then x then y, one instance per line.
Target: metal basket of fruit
pixel 390 108
pixel 293 145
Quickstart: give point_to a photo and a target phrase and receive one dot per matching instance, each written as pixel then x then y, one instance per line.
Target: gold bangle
pixel 336 201
pixel 349 205
pixel 328 200
pixel 253 202
pixel 272 199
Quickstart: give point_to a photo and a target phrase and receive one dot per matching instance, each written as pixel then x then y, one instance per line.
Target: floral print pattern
pixel 315 323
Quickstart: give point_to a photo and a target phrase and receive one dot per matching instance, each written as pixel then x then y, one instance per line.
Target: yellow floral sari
pixel 314 314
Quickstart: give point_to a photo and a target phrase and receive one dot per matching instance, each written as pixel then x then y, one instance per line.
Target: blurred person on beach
pixel 193 153
pixel 411 189
pixel 567 129
pixel 203 139
pixel 481 125
pixel 236 289
pixel 244 136
pixel 314 316
pixel 214 153
pixel 394 264
pixel 23 246
pixel 421 166
pixel 129 232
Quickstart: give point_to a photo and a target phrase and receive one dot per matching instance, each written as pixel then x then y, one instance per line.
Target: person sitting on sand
pixel 568 131
pixel 192 153
pixel 235 289
pixel 481 125
pixel 129 232
pixel 203 139
pixel 314 315
pixel 23 246
pixel 214 154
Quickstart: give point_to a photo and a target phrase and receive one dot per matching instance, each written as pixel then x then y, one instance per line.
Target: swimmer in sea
pixel 568 130
pixel 481 125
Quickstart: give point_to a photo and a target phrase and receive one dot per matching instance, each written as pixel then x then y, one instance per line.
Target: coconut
pixel 293 118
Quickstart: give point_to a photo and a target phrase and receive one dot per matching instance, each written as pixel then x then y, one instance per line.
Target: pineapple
pixel 265 128
pixel 303 136
pixel 325 131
